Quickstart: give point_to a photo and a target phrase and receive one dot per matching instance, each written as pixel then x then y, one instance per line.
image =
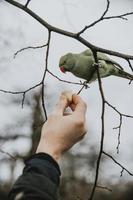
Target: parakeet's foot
pixel 85 83
pixel 97 64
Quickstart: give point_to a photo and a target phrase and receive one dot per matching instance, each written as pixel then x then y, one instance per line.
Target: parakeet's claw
pixel 85 83
pixel 96 64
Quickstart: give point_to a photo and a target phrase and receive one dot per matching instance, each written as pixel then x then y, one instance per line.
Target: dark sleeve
pixel 39 181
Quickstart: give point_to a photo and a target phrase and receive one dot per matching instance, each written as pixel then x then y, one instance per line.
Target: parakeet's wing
pixel 102 56
pixel 87 52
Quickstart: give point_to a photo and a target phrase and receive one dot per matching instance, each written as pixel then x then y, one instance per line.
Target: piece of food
pixel 68 94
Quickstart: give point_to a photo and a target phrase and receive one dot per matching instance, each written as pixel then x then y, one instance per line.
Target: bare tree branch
pixel 30 47
pixel 106 10
pixel 119 133
pixel 102 129
pixel 104 188
pixel 45 71
pixel 81 89
pixel 28 1
pixel 97 21
pixel 122 16
pixel 21 92
pixel 8 154
pixel 102 18
pixel 67 33
pixel 123 168
pixel 69 82
pixel 121 115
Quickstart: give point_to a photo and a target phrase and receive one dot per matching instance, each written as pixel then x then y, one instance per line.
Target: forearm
pixel 40 179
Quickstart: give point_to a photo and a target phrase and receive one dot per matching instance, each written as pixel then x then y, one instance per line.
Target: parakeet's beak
pixel 63 69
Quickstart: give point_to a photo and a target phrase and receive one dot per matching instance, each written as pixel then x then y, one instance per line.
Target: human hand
pixel 62 131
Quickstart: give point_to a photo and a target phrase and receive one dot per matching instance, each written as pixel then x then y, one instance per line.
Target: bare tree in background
pixel 105 103
pixel 37 120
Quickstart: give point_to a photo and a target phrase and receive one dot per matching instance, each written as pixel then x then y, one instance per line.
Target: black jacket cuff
pixel 40 161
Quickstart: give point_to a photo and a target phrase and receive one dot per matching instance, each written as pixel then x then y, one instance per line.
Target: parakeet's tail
pixel 124 74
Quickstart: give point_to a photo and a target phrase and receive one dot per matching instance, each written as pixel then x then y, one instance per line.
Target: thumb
pixel 61 106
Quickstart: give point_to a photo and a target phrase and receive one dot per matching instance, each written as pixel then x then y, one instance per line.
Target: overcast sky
pixel 18 30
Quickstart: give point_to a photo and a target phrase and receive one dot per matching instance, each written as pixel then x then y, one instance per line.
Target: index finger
pixel 78 106
pixel 61 106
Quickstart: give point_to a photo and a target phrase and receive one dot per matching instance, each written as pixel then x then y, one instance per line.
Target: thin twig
pixel 130 65
pixel 8 154
pixel 28 1
pixel 121 174
pixel 106 10
pixel 102 18
pixel 23 99
pixel 116 110
pixel 119 133
pixel 121 115
pixel 85 85
pixel 65 81
pixel 104 188
pixel 30 47
pixel 81 90
pixel 123 168
pixel 45 71
pixel 21 92
pixel 43 102
pixel 97 21
pixel 122 16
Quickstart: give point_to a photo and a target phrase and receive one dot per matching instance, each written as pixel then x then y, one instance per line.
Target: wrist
pixel 53 152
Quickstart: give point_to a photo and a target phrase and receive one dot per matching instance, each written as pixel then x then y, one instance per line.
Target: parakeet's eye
pixel 64 62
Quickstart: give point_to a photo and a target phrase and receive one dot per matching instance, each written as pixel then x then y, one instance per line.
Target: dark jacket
pixel 39 181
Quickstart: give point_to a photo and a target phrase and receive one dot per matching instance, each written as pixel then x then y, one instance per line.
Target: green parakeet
pixel 82 66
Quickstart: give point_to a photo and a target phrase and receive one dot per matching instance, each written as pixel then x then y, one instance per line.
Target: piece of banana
pixel 68 94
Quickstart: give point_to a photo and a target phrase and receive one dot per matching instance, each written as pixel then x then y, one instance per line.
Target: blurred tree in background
pixel 34 136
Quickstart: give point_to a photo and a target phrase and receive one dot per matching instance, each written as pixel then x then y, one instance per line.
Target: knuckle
pixel 80 123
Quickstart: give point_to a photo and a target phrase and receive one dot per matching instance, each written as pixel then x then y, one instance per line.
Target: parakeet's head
pixel 67 63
